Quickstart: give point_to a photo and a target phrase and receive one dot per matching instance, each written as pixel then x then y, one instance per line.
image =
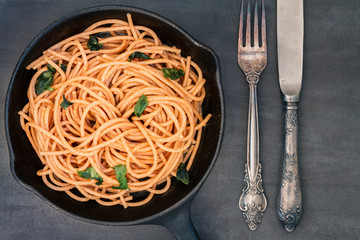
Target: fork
pixel 252 60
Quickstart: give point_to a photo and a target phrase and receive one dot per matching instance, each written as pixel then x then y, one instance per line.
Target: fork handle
pixel 253 128
pixel 290 197
pixel 252 200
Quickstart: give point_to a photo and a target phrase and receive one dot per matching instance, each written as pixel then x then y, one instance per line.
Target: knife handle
pixel 290 199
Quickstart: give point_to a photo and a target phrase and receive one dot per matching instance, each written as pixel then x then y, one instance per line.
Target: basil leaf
pixel 44 82
pixel 140 105
pixel 102 34
pixel 182 174
pixel 173 73
pixel 120 171
pixel 138 55
pixel 63 67
pixel 93 44
pixel 51 68
pixel 90 173
pixel 65 103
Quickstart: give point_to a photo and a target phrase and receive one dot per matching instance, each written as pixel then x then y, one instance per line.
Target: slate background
pixel 329 121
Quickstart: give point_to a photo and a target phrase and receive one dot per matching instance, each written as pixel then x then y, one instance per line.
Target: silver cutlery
pixel 252 60
pixel 290 34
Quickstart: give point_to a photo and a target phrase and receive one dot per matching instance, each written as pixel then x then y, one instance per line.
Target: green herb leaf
pixel 182 174
pixel 63 67
pixel 65 103
pixel 93 44
pixel 44 82
pixel 140 105
pixel 90 173
pixel 51 68
pixel 138 55
pixel 173 73
pixel 102 34
pixel 120 171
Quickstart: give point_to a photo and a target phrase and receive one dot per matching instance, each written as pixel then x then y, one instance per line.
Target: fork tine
pixel 263 26
pixel 256 25
pixel 248 34
pixel 241 25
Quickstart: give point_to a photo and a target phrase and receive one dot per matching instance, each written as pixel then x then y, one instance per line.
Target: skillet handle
pixel 178 222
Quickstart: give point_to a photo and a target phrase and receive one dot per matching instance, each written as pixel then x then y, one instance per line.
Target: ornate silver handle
pixel 290 199
pixel 252 200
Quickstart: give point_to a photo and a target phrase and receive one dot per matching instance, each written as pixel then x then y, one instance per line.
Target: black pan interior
pixel 24 161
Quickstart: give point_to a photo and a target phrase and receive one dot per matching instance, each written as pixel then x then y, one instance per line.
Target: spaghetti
pixel 83 126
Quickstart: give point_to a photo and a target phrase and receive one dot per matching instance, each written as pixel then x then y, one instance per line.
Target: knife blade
pixel 290 38
pixel 290 35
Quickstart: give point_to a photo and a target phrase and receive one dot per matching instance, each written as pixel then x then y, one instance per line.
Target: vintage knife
pixel 290 35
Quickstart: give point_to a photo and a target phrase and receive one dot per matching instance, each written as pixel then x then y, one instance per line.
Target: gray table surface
pixel 329 121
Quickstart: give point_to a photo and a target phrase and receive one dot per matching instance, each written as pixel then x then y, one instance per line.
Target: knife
pixel 290 38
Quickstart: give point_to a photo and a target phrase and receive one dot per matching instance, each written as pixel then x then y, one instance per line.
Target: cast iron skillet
pixel 171 209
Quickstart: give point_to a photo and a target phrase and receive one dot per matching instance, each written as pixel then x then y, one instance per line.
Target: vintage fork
pixel 252 60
